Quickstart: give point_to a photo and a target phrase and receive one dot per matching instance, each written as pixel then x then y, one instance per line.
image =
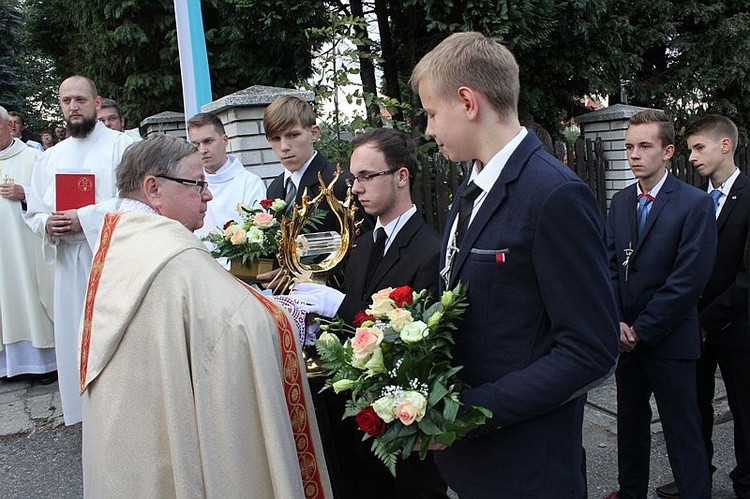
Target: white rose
pixel 414 332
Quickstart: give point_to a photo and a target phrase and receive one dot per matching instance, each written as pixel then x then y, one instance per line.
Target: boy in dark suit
pixel 662 243
pixel 383 165
pixel 291 128
pixel 527 238
pixel 723 307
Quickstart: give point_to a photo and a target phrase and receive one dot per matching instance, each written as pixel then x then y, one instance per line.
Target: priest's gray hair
pixel 4 116
pixel 157 155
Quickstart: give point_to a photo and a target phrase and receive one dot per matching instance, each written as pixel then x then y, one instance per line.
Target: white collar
pixel 727 185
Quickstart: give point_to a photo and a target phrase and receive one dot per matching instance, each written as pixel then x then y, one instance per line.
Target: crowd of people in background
pixel 174 366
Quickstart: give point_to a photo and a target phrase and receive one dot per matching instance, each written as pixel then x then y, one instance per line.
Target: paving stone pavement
pixel 31 412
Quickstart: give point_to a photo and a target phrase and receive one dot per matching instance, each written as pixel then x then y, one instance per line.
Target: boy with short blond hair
pixel 526 236
pixel 723 305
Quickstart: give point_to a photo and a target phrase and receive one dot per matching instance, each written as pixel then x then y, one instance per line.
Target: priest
pixel 92 153
pixel 184 394
pixel 26 337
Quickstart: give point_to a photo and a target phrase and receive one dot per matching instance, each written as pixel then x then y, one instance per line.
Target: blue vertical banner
pixel 191 41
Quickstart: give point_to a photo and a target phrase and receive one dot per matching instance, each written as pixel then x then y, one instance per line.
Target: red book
pixel 74 190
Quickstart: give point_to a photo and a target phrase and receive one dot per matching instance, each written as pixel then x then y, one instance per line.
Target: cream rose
pixel 381 303
pixel 399 318
pixel 229 231
pixel 384 408
pixel 410 407
pixel 365 341
pixel 238 237
pixel 263 220
pixel 414 332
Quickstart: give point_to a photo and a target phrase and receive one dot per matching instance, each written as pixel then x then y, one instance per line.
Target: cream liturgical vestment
pixel 99 153
pixel 192 384
pixel 26 332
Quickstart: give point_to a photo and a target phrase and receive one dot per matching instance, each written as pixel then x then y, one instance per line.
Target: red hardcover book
pixel 74 190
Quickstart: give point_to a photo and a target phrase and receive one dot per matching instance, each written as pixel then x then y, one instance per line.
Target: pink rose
pixel 365 341
pixel 263 220
pixel 411 407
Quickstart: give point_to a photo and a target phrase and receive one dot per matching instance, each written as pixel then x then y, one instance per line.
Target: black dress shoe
pixel 668 491
pixel 47 378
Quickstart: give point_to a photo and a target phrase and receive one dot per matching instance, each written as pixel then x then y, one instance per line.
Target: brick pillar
pixel 168 122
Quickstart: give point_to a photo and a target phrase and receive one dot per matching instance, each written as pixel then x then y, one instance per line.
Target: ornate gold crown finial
pixel 295 245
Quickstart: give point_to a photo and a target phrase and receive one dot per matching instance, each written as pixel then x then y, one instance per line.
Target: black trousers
pixel 735 370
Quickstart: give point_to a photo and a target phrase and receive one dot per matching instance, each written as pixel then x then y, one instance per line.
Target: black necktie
pixel 291 194
pixel 468 196
pixel 377 252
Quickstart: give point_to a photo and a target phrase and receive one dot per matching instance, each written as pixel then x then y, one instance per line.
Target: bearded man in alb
pixel 26 337
pixel 193 384
pixel 91 149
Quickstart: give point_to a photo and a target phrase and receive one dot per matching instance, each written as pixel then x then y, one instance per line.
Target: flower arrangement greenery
pixel 395 361
pixel 255 236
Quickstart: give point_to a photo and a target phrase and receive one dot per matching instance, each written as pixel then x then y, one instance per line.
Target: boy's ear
pixel 315 131
pixel 726 145
pixel 469 100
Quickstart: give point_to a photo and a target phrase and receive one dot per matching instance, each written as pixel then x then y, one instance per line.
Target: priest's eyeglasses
pixel 366 177
pixel 200 184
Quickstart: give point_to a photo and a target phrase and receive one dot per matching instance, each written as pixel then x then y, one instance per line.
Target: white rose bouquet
pixel 396 362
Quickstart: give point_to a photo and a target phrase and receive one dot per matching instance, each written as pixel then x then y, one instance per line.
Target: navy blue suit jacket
pixel 723 306
pixel 541 328
pixel 669 267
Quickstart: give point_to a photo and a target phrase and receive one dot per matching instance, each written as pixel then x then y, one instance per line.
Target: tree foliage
pixel 12 71
pixel 129 47
pixel 689 57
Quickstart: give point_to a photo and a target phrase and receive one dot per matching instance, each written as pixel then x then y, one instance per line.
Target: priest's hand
pixel 75 224
pixel 12 192
pixel 58 224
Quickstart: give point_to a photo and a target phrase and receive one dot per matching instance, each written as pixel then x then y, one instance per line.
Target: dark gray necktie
pixel 291 194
